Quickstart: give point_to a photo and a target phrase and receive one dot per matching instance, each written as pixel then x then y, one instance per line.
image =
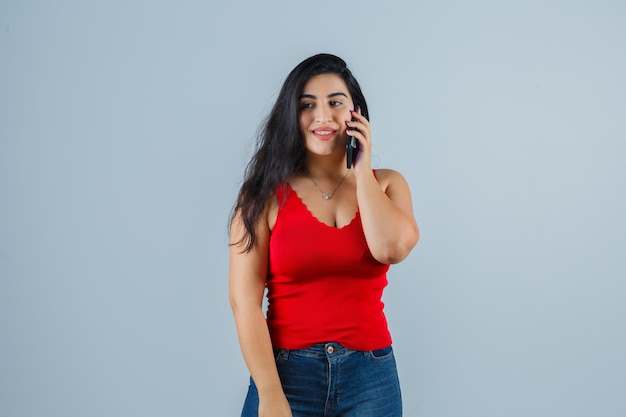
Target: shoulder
pixel 271 211
pixel 262 224
pixel 390 178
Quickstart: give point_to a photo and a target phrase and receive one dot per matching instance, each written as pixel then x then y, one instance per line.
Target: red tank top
pixel 323 283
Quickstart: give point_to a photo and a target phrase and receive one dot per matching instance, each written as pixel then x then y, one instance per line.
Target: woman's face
pixel 324 108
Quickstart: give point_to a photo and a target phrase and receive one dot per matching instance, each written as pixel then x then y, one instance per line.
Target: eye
pixel 306 105
pixel 336 103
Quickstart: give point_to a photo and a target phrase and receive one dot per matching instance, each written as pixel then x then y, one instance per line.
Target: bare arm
pixel 247 276
pixel 387 215
pixel 384 203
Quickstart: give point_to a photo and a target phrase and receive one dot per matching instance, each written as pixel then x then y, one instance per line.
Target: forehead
pixel 325 84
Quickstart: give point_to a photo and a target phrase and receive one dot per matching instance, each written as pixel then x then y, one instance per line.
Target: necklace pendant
pixel 324 195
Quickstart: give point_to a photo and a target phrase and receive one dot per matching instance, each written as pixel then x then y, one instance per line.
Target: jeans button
pixel 330 349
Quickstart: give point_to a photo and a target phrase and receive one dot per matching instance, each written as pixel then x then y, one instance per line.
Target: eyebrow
pixel 328 96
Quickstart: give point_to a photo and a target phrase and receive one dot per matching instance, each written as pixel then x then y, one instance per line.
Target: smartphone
pixel 352 149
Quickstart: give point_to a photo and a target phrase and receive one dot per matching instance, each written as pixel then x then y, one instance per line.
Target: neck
pixel 325 167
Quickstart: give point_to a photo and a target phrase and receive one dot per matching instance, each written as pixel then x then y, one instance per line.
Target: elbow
pixel 243 304
pixel 390 256
pixel 235 300
pixel 234 306
pixel 240 310
pixel 239 303
pixel 396 250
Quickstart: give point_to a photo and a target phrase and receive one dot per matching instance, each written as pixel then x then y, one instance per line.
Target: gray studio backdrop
pixel 124 130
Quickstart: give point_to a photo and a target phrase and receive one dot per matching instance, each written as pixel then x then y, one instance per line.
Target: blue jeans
pixel 328 380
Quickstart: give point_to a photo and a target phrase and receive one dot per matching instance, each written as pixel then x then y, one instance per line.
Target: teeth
pixel 323 132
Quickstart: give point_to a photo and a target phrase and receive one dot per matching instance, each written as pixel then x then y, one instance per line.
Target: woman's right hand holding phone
pixel 359 128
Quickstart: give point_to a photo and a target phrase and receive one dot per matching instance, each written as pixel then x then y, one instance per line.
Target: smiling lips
pixel 324 133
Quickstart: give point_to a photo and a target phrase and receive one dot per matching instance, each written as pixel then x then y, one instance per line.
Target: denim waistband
pixel 320 350
pixel 328 350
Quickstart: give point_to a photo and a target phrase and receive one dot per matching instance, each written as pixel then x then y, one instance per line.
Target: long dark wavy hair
pixel 280 151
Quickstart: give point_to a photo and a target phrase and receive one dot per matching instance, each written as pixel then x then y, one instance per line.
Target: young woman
pixel 319 236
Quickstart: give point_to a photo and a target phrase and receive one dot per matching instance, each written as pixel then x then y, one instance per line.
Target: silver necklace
pixel 329 195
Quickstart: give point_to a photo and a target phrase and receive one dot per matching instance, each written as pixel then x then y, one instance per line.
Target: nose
pixel 322 113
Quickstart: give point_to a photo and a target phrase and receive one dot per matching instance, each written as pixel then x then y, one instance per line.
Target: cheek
pixel 303 117
pixel 304 122
pixel 302 126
